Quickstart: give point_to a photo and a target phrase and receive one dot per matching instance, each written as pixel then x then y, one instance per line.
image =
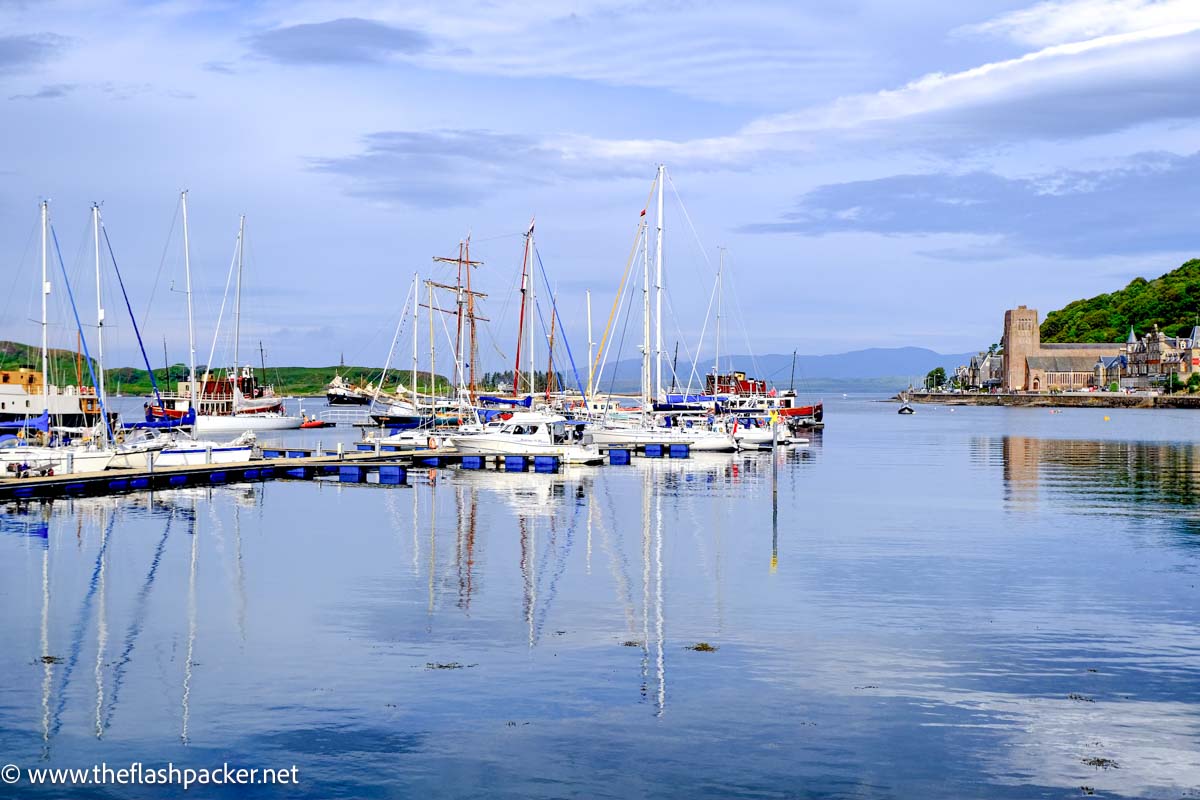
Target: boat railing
pixel 346 416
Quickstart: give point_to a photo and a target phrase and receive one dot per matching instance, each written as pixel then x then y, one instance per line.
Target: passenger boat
pixel 339 392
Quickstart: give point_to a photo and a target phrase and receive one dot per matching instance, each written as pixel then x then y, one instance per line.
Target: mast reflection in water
pixel 977 603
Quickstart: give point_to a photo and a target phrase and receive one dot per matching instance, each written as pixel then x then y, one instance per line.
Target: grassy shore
pixel 66 368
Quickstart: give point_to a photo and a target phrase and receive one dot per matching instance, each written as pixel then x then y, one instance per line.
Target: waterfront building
pixel 1029 365
pixel 1153 358
pixel 1033 366
pixel 985 371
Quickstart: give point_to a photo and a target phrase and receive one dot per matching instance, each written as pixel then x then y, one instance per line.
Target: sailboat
pixel 645 430
pixel 233 403
pixel 17 456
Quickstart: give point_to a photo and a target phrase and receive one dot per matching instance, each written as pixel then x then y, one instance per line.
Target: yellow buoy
pixel 1106 419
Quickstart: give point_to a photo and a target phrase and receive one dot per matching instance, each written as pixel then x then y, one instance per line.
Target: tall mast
pixel 99 312
pixel 471 346
pixel 521 318
pixel 187 269
pixel 432 349
pixel 591 347
pixel 237 301
pixel 416 292
pixel 717 349
pixel 45 294
pixel 532 315
pixel 658 287
pixel 550 382
pixel 459 299
pixel 646 378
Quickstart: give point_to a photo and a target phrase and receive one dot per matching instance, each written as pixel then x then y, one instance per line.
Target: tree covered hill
pixel 1171 302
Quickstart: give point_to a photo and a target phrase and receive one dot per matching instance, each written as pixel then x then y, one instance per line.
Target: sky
pixel 871 173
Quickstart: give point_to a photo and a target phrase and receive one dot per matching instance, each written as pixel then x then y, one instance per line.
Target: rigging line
pixel 620 348
pixel 742 324
pixel 628 266
pixel 687 351
pixel 688 217
pixel 121 281
pixel 19 275
pixel 83 339
pixel 162 262
pixel 208 366
pixel 391 350
pixel 598 379
pixel 554 312
pixel 703 331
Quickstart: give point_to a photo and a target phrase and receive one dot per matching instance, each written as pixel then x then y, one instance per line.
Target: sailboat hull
pixel 252 422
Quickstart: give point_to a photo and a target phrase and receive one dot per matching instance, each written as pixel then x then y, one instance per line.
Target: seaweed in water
pixel 703 647
pixel 51 659
pixel 446 665
pixel 1080 698
pixel 1101 763
pixel 631 643
pixel 1088 790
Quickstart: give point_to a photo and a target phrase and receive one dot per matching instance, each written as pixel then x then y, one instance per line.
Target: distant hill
pixel 1171 301
pixel 63 363
pixel 876 368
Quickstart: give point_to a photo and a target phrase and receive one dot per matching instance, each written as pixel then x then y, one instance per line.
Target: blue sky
pixel 880 174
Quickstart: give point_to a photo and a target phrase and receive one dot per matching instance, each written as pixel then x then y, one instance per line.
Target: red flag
pixel 643 213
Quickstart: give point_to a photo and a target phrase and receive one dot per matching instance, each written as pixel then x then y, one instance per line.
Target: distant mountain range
pixel 876 368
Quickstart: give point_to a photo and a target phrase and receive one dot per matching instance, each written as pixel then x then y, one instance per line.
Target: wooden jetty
pixel 389 463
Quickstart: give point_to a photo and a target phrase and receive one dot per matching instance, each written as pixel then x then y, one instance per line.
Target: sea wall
pixel 1073 400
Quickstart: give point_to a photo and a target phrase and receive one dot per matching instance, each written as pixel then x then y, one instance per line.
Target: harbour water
pixel 978 602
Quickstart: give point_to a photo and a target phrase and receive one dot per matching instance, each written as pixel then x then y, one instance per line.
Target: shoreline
pixel 1072 400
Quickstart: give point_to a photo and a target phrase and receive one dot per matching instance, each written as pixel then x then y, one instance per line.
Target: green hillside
pixel 66 367
pixel 294 381
pixel 1172 302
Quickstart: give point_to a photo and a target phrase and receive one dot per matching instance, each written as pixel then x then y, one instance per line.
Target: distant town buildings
pixel 1025 364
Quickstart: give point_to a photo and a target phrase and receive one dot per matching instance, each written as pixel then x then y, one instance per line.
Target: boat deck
pixel 388 464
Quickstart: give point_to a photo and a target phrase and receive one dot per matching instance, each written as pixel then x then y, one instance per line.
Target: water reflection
pixel 1112 477
pixel 527 635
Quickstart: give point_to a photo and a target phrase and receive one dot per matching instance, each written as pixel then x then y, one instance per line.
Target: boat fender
pixel 432 443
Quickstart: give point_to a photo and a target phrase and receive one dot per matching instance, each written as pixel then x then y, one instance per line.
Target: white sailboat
pixel 17 456
pixel 645 430
pixel 245 414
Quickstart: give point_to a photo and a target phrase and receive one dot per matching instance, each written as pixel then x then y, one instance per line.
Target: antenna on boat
pixel 792 383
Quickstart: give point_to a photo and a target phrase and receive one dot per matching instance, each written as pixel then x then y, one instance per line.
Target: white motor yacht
pixel 532 433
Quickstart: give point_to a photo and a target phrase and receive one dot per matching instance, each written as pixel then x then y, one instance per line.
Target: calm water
pixel 958 604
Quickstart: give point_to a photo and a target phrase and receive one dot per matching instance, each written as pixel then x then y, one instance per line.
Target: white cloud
pixel 1066 21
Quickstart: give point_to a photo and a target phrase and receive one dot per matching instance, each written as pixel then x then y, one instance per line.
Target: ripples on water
pixel 966 603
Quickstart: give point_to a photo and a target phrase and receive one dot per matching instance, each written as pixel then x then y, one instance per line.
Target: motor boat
pixel 194 452
pixel 532 433
pixel 698 439
pixel 19 458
